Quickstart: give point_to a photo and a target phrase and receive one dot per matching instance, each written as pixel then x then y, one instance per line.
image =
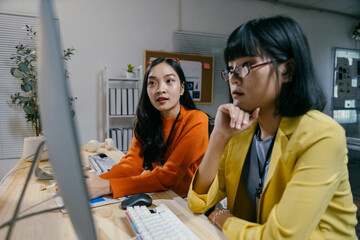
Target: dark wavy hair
pixel 280 38
pixel 148 125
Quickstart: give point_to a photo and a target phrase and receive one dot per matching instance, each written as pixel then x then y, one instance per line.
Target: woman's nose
pixel 161 89
pixel 235 79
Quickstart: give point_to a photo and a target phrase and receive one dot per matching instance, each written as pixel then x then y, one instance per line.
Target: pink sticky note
pixel 206 65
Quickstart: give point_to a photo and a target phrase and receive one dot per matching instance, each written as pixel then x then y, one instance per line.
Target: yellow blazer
pixel 307 193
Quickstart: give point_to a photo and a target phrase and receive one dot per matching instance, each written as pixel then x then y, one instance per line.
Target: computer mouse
pixel 140 199
pixel 102 155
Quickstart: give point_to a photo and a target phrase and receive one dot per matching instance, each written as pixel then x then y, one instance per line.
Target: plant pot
pixel 31 144
pixel 130 74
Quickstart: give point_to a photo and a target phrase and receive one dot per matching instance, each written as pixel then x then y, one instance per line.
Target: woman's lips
pixel 237 93
pixel 161 99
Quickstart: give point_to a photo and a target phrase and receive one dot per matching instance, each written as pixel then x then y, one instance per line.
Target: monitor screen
pixel 59 127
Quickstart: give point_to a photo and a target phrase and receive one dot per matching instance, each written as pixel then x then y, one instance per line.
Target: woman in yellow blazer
pixel 281 163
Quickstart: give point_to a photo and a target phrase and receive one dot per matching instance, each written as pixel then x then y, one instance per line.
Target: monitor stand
pixel 39 173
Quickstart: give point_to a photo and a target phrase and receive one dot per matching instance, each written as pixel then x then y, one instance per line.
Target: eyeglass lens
pixel 242 71
pixel 238 72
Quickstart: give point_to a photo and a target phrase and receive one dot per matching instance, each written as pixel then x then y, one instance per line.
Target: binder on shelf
pixel 118 101
pixel 113 135
pixel 119 139
pixel 112 101
pixel 124 101
pixel 125 139
pixel 130 136
pixel 130 98
pixel 136 99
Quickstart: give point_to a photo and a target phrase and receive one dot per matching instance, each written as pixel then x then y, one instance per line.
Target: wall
pixel 117 32
pixel 324 30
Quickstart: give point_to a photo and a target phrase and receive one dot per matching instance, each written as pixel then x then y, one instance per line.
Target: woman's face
pixel 164 89
pixel 259 88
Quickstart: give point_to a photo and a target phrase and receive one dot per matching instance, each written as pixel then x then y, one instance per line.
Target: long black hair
pixel 281 38
pixel 148 124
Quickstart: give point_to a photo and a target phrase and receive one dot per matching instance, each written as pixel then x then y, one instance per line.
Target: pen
pixel 48 187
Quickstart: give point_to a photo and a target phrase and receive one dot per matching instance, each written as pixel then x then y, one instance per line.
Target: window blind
pixel 13 125
pixel 211 45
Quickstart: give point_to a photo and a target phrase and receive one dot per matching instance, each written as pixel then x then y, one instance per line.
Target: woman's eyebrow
pixel 169 75
pixel 166 75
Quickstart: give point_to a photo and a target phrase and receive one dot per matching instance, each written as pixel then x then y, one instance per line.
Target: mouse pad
pixel 96 202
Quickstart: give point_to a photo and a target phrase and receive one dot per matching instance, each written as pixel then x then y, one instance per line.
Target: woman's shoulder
pixel 316 125
pixel 195 115
pixel 321 120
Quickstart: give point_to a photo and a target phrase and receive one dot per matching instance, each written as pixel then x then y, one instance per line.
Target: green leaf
pixel 17 73
pixel 31 84
pixel 24 99
pixel 72 112
pixel 26 87
pixel 12 71
pixel 130 68
pixel 28 109
pixel 23 67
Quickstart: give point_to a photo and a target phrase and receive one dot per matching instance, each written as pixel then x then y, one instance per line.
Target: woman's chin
pixel 243 106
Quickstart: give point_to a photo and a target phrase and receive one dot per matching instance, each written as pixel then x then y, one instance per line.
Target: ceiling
pixel 349 8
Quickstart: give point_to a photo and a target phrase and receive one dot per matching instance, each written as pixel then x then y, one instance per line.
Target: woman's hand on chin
pixel 230 120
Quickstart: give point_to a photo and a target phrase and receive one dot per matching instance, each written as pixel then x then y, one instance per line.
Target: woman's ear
pixel 182 89
pixel 289 70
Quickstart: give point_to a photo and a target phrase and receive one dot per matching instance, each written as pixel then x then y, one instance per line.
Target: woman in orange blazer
pixel 170 140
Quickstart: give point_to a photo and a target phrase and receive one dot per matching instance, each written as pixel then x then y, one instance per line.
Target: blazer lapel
pixel 280 144
pixel 285 130
pixel 235 167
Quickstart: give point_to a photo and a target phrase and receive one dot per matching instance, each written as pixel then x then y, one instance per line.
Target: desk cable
pixel 15 217
pixel 14 168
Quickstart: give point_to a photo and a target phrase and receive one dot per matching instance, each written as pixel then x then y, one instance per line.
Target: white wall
pixel 117 32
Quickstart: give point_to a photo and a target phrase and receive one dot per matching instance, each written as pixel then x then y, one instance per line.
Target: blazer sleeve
pixel 190 148
pixel 199 203
pixel 129 165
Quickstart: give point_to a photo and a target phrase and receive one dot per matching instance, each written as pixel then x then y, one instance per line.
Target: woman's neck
pixel 171 112
pixel 268 124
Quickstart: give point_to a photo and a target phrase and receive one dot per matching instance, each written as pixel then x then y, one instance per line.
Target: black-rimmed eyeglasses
pixel 241 71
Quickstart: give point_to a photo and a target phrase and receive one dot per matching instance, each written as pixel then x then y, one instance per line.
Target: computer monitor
pixel 59 127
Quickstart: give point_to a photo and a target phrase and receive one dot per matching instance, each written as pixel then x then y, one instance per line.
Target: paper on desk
pixel 96 202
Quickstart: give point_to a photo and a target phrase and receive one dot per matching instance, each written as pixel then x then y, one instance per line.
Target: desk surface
pixel 110 220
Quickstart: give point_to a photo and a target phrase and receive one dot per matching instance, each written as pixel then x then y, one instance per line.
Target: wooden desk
pixel 110 220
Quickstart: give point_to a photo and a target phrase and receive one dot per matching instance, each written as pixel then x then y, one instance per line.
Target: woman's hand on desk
pixel 219 216
pixel 97 186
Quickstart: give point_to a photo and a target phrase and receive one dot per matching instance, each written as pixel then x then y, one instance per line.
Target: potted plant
pixel 130 71
pixel 26 70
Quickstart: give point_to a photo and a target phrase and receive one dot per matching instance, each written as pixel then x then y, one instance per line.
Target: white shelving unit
pixel 121 92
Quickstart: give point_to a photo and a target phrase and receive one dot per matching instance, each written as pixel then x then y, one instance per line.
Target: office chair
pixel 211 123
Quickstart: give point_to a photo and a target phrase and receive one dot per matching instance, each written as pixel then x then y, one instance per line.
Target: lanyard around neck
pixel 267 159
pixel 168 139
